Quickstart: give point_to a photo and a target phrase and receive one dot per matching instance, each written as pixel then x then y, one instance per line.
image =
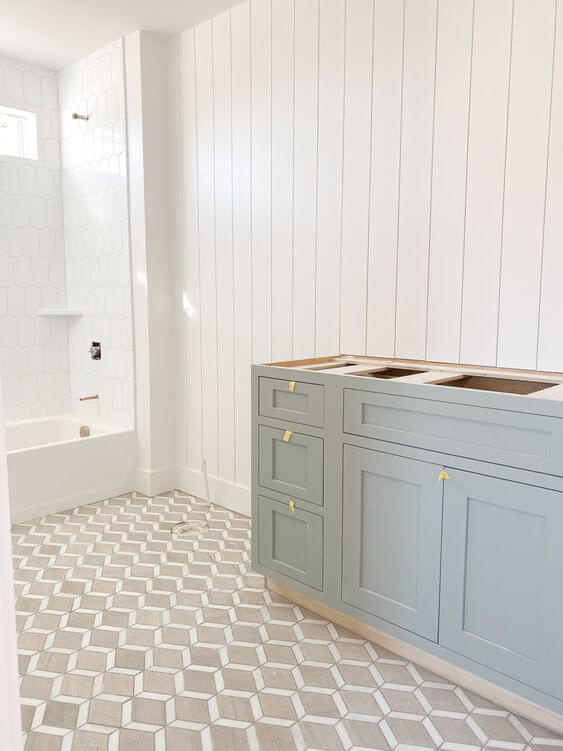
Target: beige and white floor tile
pixel 132 639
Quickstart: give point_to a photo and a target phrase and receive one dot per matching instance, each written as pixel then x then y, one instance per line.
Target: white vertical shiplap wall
pixel 376 177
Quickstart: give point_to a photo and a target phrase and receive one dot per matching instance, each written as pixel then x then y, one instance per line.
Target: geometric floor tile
pixel 131 639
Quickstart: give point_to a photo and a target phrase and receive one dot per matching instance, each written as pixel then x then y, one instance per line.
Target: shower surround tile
pixel 96 226
pixel 34 353
pixel 132 639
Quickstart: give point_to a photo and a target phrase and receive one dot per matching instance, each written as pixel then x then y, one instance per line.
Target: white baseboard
pixel 223 493
pixel 480 686
pixel 152 482
pixel 65 502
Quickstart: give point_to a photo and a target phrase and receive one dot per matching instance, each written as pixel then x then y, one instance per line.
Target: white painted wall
pixel 369 176
pixel 10 714
pixel 154 197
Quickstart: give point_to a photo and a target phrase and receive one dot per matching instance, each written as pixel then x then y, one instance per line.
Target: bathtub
pixel 51 468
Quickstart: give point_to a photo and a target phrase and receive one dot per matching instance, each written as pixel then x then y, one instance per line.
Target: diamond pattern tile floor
pixel 132 639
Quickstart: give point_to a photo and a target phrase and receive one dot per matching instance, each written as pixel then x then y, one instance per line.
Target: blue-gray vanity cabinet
pixel 291 463
pixel 502 567
pixel 293 401
pixel 391 538
pixel 291 541
pixel 500 436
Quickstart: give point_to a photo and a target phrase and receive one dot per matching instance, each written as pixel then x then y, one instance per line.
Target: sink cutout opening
pixel 330 365
pixel 387 373
pixel 503 385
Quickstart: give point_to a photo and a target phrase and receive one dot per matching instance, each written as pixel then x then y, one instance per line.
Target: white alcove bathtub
pixel 51 468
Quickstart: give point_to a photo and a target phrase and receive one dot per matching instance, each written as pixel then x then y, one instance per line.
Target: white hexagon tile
pixel 34 353
pixel 82 262
pixel 96 231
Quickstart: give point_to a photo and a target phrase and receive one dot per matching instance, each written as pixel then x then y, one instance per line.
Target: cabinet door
pixel 392 521
pixel 502 577
pixel 291 541
pixel 291 463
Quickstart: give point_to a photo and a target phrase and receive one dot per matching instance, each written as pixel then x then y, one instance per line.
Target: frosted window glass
pixel 18 133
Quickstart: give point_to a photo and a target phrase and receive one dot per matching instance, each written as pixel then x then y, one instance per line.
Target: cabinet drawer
pixel 500 436
pixel 502 577
pixel 292 400
pixel 291 542
pixel 293 466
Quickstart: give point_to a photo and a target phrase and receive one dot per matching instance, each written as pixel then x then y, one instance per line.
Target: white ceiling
pixel 54 33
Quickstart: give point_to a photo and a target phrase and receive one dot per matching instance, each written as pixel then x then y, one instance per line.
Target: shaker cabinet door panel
pixel 502 577
pixel 392 520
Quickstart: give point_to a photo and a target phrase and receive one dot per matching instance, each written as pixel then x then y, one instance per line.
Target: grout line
pixel 431 206
pixel 251 184
pixel 546 181
pixel 217 469
pixel 466 181
pixel 342 178
pixel 234 330
pixel 292 259
pixel 271 188
pixel 196 131
pixel 185 326
pixel 370 179
pixel 317 178
pixel 399 186
pixel 504 181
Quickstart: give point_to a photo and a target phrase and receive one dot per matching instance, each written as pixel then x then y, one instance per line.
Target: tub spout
pixel 89 398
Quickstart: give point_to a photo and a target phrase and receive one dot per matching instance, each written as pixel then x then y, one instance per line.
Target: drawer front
pixel 293 401
pixel 515 439
pixel 291 464
pixel 291 542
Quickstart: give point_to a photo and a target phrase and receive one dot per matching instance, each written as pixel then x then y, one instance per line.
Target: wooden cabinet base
pixel 507 699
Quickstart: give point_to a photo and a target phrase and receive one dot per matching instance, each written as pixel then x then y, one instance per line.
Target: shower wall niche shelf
pixel 61 312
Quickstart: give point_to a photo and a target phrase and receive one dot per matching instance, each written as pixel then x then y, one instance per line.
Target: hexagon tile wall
pixel 81 262
pixel 34 352
pixel 97 232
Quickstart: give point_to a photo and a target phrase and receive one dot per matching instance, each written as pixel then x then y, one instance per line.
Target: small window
pixel 18 133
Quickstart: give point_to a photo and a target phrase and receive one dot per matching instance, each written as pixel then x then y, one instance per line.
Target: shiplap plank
pixel 404 185
pixel 550 349
pixel 385 165
pixel 305 177
pixel 329 177
pixel 356 175
pixel 242 276
pixel 447 222
pixel 190 248
pixel 282 177
pixel 222 127
pixel 416 177
pixel 260 52
pixel 526 169
pixel 206 205
pixel 485 180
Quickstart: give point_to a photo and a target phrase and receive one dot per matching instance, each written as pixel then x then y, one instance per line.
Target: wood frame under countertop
pixel 556 376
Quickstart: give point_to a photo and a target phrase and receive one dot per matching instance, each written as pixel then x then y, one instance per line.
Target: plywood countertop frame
pixel 436 373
